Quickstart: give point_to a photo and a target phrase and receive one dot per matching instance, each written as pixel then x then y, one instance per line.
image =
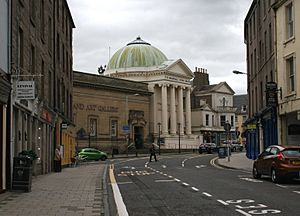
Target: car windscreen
pixel 292 152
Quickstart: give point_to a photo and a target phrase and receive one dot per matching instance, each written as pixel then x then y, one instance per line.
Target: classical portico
pixel 168 109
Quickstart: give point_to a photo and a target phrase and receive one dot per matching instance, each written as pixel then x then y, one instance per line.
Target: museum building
pixel 170 83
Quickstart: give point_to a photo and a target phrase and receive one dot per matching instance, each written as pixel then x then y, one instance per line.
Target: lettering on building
pixel 93 107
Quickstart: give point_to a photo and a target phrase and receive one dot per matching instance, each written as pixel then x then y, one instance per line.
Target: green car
pixel 92 154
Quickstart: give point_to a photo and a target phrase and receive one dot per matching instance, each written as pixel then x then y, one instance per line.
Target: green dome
pixel 137 53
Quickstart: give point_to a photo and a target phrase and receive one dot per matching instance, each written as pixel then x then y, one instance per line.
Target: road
pixel 193 185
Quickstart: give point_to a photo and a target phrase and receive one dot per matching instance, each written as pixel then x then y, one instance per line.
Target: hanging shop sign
pixel 271 94
pixel 25 90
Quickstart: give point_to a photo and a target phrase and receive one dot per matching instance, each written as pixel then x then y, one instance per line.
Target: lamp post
pixel 158 141
pixel 238 72
pixel 178 137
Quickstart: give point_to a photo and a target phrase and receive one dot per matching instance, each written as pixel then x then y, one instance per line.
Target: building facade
pixel 110 113
pixel 212 107
pixel 240 102
pixel 259 38
pixel 4 86
pixel 41 59
pixel 170 83
pixel 287 18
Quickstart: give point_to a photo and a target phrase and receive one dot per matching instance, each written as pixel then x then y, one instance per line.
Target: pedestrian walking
pixel 152 153
pixel 57 159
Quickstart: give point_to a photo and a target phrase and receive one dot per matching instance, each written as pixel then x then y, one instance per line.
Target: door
pixel 139 137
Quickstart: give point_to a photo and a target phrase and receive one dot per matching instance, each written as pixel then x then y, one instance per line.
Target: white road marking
pixel 121 183
pixel 206 194
pixel 164 166
pixel 185 184
pixel 157 171
pixel 251 180
pixel 182 163
pixel 165 180
pixel 223 202
pixel 170 176
pixel 243 213
pixel 165 174
pixel 177 180
pixel 298 192
pixel 121 208
pixel 282 186
pixel 195 189
pixel 201 166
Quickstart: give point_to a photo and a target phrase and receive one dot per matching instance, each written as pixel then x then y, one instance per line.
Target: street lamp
pixel 178 137
pixel 159 124
pixel 238 72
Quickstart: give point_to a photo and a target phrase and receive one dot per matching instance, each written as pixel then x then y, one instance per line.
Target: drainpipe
pixel 10 149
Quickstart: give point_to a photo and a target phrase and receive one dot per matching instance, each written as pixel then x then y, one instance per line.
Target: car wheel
pixel 274 176
pixel 255 173
pixel 103 158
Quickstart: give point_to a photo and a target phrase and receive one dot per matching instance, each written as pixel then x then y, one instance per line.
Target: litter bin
pixel 22 174
pixel 222 152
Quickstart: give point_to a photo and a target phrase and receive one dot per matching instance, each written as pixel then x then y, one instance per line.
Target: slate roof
pixel 109 83
pixel 239 101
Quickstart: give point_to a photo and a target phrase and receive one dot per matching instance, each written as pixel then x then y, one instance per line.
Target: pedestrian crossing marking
pixel 135 173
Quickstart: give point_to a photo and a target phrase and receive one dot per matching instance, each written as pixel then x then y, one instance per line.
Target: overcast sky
pixel 203 33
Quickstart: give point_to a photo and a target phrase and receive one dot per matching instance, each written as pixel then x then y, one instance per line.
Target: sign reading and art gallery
pixel 92 107
pixel 25 90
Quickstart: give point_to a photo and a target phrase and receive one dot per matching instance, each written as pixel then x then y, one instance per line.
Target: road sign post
pixel 227 128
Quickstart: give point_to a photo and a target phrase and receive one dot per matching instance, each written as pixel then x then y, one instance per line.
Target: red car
pixel 278 162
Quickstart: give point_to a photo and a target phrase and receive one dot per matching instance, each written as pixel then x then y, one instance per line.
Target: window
pixel 222 120
pixel 93 127
pixel 42 14
pixel 50 34
pixel 43 79
pixel 207 119
pixel 290 20
pixel 32 60
pixel 232 120
pixel 291 73
pixel 213 120
pixel 114 128
pixel 21 49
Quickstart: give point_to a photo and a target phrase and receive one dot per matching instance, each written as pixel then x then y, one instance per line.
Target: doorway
pixel 139 137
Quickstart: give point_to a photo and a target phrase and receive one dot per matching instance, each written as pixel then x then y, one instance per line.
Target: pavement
pixel 80 190
pixel 236 161
pixel 75 191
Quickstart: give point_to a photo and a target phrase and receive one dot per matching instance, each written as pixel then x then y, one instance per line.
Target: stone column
pixel 173 111
pixel 180 109
pixel 155 96
pixel 164 113
pixel 188 111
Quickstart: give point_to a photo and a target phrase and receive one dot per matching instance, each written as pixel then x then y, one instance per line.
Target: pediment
pixel 179 68
pixel 224 88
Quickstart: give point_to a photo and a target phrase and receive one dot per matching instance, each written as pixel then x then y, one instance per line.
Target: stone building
pixel 240 102
pixel 212 107
pixel 4 87
pixel 259 39
pixel 287 34
pixel 110 113
pixel 41 55
pixel 170 83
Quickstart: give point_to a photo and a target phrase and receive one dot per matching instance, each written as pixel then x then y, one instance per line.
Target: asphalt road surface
pixel 193 185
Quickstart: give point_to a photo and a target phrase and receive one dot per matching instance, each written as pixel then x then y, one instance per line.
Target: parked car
pixel 278 162
pixel 207 147
pixel 92 154
pixel 234 145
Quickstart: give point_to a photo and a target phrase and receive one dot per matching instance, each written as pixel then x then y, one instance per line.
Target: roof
pixel 103 82
pixel 213 88
pixel 239 101
pixel 137 53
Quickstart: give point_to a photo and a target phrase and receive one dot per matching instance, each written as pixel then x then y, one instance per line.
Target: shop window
pixel 114 128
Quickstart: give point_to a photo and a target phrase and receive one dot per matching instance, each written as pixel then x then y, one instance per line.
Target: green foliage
pixel 28 153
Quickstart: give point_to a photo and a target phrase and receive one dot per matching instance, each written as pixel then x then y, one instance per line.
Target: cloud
pixel 203 33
